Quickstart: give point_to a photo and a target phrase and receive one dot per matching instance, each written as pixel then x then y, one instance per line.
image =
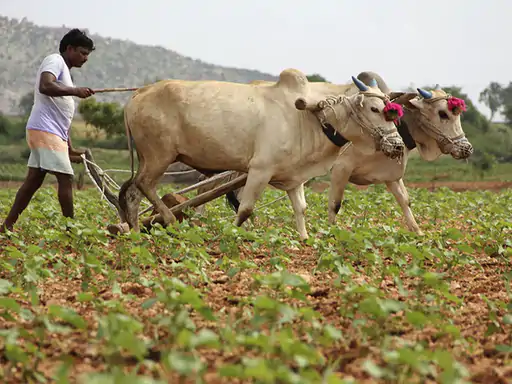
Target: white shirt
pixel 53 114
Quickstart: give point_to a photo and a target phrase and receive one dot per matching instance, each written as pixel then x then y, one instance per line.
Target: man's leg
pixel 32 183
pixel 65 193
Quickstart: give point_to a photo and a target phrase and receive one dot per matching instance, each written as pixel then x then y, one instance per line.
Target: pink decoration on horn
pixel 393 112
pixel 456 105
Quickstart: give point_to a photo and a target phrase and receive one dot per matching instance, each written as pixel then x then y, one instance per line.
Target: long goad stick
pixel 114 90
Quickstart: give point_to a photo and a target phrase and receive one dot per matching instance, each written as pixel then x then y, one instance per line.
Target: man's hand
pixel 83 92
pixel 75 155
pixel 76 159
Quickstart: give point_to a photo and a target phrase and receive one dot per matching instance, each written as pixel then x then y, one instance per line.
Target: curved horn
pixel 302 105
pixel 425 94
pixel 359 84
pixel 438 87
pixel 373 83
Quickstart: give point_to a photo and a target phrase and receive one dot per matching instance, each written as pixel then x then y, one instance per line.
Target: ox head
pixel 366 118
pixel 433 118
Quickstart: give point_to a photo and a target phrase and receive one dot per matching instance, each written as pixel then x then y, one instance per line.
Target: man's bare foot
pixel 4 228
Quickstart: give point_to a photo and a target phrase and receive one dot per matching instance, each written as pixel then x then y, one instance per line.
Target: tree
pixel 108 117
pixel 25 104
pixel 492 96
pixel 316 78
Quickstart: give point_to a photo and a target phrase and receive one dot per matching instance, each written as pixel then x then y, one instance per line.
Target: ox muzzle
pixel 391 145
pixel 458 149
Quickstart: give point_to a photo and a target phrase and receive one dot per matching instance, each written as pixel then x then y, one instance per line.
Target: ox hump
pixel 293 80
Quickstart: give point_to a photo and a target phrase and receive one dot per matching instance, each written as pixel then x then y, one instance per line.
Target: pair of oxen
pixel 284 133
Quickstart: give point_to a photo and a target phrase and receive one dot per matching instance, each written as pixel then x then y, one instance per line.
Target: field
pixel 365 301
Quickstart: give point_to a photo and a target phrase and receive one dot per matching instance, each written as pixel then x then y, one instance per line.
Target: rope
pixel 102 191
pixel 105 178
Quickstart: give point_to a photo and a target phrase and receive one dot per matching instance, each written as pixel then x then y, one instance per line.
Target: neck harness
pixel 335 136
pixel 403 131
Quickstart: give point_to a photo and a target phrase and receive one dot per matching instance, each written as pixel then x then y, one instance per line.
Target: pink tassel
pixel 393 112
pixel 456 105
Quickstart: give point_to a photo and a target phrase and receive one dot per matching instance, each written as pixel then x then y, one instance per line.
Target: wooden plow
pixel 104 183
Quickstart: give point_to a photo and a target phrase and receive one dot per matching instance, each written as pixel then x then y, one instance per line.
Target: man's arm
pixel 74 154
pixel 49 86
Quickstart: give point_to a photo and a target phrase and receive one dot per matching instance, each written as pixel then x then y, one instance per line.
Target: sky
pixel 408 42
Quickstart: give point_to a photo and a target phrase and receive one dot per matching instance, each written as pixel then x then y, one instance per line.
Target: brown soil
pixel 457 186
pixel 473 283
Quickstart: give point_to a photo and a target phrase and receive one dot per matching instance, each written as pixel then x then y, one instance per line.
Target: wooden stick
pixel 114 90
pixel 203 197
pixel 208 181
pixel 212 194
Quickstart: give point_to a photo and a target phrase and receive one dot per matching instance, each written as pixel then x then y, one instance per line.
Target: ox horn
pixel 425 94
pixel 437 88
pixel 360 84
pixel 373 83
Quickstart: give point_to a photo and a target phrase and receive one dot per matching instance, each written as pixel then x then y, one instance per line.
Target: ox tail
pixel 130 147
pixel 124 188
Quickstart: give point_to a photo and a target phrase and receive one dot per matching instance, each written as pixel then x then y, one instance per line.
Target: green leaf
pixel 231 370
pixel 8 303
pixel 205 337
pixel 416 318
pixel 83 297
pixel 68 315
pixel 372 369
pixel 5 286
pixel 149 303
pixel 504 348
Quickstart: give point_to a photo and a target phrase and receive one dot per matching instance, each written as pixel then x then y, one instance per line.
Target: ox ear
pixel 403 98
pixel 394 95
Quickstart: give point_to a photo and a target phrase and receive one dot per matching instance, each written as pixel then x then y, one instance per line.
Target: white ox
pixel 215 126
pixel 431 124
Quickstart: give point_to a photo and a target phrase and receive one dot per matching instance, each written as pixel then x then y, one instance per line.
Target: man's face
pixel 78 56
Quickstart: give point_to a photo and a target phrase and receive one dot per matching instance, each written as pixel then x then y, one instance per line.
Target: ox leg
pixel 147 182
pixel 298 200
pixel 398 190
pixel 339 181
pixel 256 182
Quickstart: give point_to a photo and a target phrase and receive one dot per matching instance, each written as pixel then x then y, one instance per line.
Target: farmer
pixel 49 123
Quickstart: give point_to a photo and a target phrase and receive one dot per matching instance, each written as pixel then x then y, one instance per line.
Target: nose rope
pixel 379 134
pixel 362 120
pixel 434 131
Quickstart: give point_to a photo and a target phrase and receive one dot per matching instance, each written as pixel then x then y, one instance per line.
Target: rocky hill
pixel 116 63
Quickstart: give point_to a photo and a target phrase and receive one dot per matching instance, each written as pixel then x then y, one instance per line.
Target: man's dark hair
pixel 76 38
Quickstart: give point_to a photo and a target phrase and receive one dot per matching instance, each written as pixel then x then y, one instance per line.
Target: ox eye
pixel 443 115
pixel 374 109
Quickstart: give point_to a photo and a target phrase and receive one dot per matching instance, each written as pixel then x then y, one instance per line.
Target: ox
pixel 215 126
pixel 431 124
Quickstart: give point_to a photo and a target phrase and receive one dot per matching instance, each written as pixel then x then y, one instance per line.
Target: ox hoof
pixel 303 238
pixel 116 229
